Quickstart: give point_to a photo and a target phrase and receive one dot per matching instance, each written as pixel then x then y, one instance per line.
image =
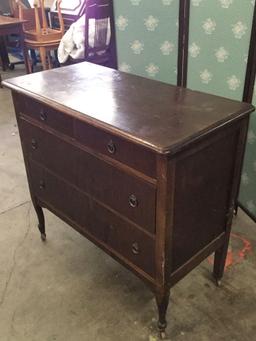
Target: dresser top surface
pixel 154 114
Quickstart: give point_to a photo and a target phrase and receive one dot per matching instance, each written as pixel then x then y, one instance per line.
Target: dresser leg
pixel 162 300
pixel 41 221
pixel 219 263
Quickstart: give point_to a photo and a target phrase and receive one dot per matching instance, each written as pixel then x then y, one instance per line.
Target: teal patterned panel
pixel 147 38
pixel 218 49
pixel 247 196
pixel 218 45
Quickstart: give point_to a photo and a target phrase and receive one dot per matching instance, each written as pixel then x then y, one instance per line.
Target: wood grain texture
pixel 94 218
pixel 95 177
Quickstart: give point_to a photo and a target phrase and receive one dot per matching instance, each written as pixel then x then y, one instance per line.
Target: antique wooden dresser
pixel 145 170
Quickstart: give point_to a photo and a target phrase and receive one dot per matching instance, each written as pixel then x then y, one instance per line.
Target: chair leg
pixel 42 52
pixel 27 60
pixel 49 60
pixel 56 61
pixel 33 57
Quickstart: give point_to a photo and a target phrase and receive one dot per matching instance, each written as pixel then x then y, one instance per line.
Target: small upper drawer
pixel 117 148
pixel 44 114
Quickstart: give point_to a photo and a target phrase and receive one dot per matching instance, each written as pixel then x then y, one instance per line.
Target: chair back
pixel 36 17
pixel 14 7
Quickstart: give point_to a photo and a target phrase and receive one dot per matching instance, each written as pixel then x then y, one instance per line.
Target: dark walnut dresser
pixel 147 171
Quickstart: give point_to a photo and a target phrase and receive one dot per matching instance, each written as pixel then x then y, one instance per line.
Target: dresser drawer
pixel 117 148
pixel 47 149
pixel 130 196
pixel 118 235
pixel 44 114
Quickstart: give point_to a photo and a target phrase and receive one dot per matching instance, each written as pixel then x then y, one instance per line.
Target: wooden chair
pixel 38 35
pixel 71 12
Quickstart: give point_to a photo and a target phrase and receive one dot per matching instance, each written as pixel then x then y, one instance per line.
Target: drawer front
pixel 50 151
pixel 104 225
pixel 117 148
pixel 127 194
pixel 44 114
pixel 99 141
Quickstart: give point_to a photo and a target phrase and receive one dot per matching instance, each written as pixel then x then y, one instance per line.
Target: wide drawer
pixel 130 196
pixel 47 116
pixel 117 234
pixel 117 148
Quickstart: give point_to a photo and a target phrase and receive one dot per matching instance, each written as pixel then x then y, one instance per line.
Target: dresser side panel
pixel 204 177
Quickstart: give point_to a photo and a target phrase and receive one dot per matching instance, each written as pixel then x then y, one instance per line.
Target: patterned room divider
pixel 147 38
pixel 219 38
pixel 247 196
pixel 209 52
pixel 221 34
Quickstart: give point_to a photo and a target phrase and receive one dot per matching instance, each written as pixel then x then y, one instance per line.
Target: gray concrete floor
pixel 68 289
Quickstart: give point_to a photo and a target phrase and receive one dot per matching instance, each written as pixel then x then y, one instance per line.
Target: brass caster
pixel 161 329
pixel 162 335
pixel 43 237
pixel 217 282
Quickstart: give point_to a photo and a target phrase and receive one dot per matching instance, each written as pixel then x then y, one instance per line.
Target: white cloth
pixel 73 42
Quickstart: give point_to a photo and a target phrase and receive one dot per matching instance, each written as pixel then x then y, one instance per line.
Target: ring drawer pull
pixel 111 147
pixel 42 184
pixel 135 248
pixel 43 116
pixel 133 201
pixel 111 227
pixel 34 144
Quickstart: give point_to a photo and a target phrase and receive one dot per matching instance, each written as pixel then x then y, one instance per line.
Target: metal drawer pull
pixel 42 184
pixel 133 201
pixel 43 116
pixel 111 147
pixel 34 144
pixel 135 248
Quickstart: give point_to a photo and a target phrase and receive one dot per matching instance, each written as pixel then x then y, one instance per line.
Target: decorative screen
pixel 147 37
pixel 218 46
pixel 247 196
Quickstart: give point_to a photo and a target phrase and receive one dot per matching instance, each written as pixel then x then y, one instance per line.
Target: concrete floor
pixel 68 289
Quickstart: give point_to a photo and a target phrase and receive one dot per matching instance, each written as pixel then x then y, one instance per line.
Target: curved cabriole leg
pixel 41 221
pixel 162 300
